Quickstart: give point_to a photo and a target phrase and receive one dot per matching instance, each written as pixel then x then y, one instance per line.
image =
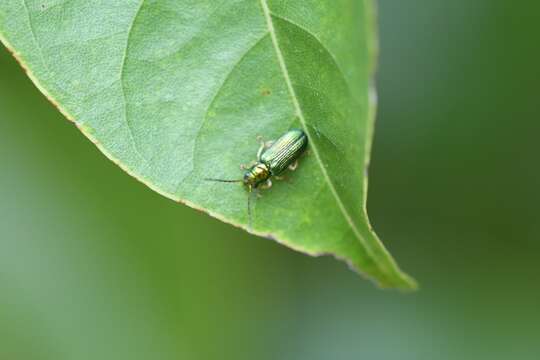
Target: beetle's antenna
pixel 225 180
pixel 250 195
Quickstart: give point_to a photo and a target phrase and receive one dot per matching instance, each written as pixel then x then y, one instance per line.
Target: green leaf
pixel 177 91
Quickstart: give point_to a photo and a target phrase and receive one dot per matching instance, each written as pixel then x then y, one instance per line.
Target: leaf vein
pixel 321 43
pixel 123 86
pixel 34 37
pixel 215 97
pixel 299 113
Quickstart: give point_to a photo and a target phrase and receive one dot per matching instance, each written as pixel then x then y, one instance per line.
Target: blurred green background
pixel 93 265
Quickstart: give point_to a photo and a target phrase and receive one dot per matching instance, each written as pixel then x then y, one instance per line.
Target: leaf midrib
pixel 298 109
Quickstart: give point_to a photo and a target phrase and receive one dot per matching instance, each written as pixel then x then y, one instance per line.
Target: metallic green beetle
pixel 272 159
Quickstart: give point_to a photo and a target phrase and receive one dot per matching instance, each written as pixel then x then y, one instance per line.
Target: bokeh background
pixel 93 265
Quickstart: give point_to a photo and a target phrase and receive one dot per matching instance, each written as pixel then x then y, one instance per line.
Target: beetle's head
pixel 256 175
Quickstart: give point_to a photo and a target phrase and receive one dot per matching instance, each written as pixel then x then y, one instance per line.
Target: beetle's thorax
pixel 256 175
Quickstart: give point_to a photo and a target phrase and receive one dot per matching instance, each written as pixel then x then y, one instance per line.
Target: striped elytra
pixel 284 151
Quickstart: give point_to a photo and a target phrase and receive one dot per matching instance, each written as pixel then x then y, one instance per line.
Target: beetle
pixel 273 158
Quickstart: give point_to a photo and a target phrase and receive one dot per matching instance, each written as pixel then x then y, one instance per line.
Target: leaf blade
pixel 188 102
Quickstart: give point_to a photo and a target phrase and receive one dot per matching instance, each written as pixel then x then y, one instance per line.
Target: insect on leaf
pixel 175 91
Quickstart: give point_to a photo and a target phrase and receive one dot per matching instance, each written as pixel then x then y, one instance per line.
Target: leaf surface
pixel 178 91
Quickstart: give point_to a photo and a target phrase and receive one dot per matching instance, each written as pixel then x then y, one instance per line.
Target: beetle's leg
pixel 282 178
pixel 294 165
pixel 257 192
pixel 264 145
pixel 267 185
pixel 261 150
pixel 245 167
pixel 305 153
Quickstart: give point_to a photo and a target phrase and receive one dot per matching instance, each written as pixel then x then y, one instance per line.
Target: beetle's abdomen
pixel 284 151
